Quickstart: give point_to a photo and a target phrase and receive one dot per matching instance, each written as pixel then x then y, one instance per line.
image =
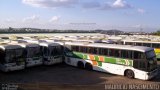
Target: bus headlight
pixel 149 74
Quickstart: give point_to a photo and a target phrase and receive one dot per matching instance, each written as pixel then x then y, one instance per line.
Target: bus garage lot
pixel 65 77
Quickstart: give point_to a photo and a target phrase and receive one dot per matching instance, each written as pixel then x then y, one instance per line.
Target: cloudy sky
pixel 128 15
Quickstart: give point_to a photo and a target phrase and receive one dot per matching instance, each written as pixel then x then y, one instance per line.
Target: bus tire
pixel 88 66
pixel 129 73
pixel 80 64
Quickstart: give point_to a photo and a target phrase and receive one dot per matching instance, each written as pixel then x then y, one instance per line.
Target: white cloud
pixel 142 11
pixel 113 5
pixel 50 3
pixel 54 19
pixel 121 4
pixel 33 18
pixel 118 4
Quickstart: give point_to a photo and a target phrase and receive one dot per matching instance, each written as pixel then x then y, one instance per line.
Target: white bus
pixel 131 61
pixel 33 55
pixel 52 53
pixel 11 57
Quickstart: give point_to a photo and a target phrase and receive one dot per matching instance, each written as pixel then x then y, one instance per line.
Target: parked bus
pixel 11 57
pixel 52 53
pixel 32 41
pixel 155 45
pixel 131 61
pixel 33 54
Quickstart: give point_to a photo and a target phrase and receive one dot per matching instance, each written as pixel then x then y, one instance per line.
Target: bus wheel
pixel 80 65
pixel 88 66
pixel 129 73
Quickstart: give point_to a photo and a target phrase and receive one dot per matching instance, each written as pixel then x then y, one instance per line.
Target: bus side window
pixel 142 65
pixel 139 64
pixel 155 45
pixel 126 54
pixel 106 51
pixel 147 44
pixel 117 53
pixel 52 51
pixel 139 44
pixel 158 45
pixel 45 51
pixel 123 53
pixel 90 49
pixel 73 48
pixel 95 50
pixel 100 51
pixel 2 56
pixel 128 43
pixel 81 48
pixel 25 53
pixel 129 54
pixel 111 52
pixel 76 48
pixel 85 49
pixel 134 43
pixel 56 51
pixel 60 49
pixel 41 50
pixel 135 63
pixel 138 55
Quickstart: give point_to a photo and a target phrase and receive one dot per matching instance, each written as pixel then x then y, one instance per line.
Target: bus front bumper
pixel 34 63
pixel 52 61
pixel 14 68
pixel 152 74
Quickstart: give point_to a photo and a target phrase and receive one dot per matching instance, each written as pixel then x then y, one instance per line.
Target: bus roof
pixel 48 44
pixel 9 46
pixel 113 46
pixel 28 45
pixel 142 41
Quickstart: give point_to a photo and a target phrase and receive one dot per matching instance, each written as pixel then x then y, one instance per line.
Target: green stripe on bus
pixel 131 62
pixel 96 58
pixel 121 61
pixel 84 56
pixel 106 59
pixel 78 55
pixel 99 63
pixel 110 60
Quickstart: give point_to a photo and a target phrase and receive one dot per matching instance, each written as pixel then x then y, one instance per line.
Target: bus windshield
pixel 33 52
pixel 152 62
pixel 19 53
pixel 13 54
pixel 150 54
pixel 55 50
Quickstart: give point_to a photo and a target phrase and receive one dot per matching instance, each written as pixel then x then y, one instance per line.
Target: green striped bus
pixel 131 61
